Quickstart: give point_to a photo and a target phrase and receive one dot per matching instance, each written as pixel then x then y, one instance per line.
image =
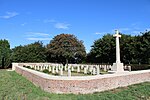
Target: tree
pixel 5 54
pixel 133 49
pixel 146 47
pixel 127 48
pixel 65 48
pixel 34 52
pixel 103 50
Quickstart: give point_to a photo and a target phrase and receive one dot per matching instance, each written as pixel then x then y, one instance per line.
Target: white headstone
pixel 66 67
pixel 78 69
pixel 85 70
pixel 105 68
pixel 35 67
pixel 49 68
pixel 97 70
pixel 53 69
pixel 72 68
pixel 94 71
pixel 69 72
pixel 56 69
pixel 61 71
pixel 129 68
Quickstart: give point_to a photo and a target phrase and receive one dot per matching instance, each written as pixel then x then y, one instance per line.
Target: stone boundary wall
pixel 82 84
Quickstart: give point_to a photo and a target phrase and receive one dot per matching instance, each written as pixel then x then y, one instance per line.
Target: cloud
pixel 57 24
pixel 98 33
pixel 38 36
pixel 101 33
pixel 35 34
pixel 62 26
pixel 37 39
pixel 9 15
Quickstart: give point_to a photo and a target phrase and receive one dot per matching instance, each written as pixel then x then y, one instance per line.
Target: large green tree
pixel 103 50
pixel 34 52
pixel 142 48
pixel 5 54
pixel 65 48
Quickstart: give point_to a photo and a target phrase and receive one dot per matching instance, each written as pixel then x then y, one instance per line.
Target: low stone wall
pixel 82 84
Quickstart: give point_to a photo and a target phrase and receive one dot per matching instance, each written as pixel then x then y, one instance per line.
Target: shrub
pixel 135 67
pixel 56 74
pixel 27 66
pixel 46 71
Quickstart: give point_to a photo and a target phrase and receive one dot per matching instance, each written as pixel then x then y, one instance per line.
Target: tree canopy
pixel 5 53
pixel 65 48
pixel 34 52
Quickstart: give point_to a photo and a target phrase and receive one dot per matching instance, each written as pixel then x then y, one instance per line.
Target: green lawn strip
pixel 15 87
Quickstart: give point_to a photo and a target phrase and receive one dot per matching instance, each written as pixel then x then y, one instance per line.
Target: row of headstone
pixel 93 69
pixel 59 68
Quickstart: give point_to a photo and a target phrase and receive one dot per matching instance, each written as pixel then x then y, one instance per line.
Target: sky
pixel 26 21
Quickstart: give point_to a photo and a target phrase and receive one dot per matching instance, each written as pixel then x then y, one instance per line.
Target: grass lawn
pixel 16 87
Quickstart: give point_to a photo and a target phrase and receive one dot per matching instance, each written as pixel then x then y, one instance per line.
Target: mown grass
pixel 15 87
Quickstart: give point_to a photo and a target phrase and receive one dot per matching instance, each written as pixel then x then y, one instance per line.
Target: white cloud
pixel 98 33
pixel 9 15
pixel 35 34
pixel 40 39
pixel 38 36
pixel 102 33
pixel 57 24
pixel 62 26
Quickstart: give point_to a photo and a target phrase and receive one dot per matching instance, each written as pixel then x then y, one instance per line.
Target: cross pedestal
pixel 118 66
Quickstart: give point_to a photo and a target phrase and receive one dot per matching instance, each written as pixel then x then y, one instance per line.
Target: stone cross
pixel 117 46
pixel 118 66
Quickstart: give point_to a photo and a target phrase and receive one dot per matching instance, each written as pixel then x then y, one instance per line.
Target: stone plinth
pixel 118 67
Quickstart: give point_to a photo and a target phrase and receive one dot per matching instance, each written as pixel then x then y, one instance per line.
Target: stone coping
pixel 47 76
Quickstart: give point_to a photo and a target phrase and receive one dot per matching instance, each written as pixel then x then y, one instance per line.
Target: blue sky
pixel 25 21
